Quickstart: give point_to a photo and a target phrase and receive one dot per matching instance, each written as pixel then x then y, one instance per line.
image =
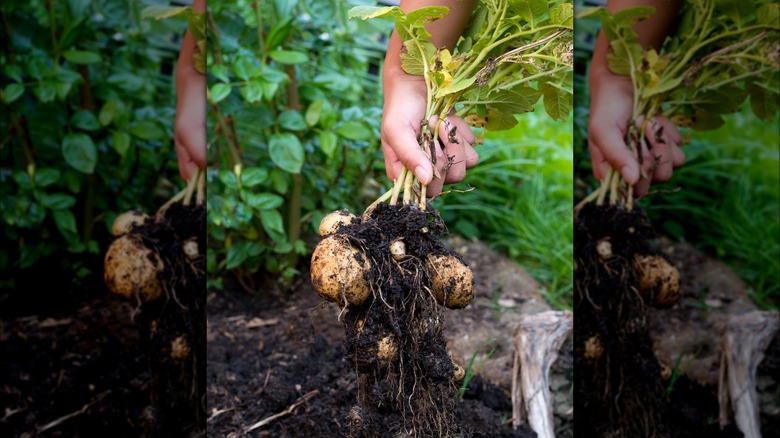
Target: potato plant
pixel 292 108
pixel 720 53
pixel 159 263
pixel 388 268
pixel 86 120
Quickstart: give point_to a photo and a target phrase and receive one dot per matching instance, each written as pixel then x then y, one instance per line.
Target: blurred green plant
pixel 728 201
pixel 87 97
pixel 294 113
pixel 725 200
pixel 522 200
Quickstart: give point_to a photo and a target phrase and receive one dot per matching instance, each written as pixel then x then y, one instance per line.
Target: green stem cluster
pixel 648 104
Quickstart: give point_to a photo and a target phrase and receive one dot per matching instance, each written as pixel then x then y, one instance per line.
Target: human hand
pixel 610 110
pixel 404 109
pixel 190 125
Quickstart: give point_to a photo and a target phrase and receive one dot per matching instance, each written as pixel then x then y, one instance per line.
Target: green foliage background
pixel 522 200
pixel 725 199
pixel 86 130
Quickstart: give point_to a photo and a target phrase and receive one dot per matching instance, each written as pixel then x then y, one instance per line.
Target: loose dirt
pixel 270 353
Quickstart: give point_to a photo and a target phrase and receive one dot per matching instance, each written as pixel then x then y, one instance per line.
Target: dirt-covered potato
pixel 332 222
pixel 458 372
pixel 337 271
pixel 398 250
pixel 659 281
pixel 387 350
pixel 604 248
pixel 125 222
pixel 452 281
pixel 131 269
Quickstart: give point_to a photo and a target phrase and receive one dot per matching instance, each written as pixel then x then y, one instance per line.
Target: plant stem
pixel 191 183
pixel 230 140
pixel 379 200
pixel 28 154
pixel 294 217
pixel 397 186
pixel 54 44
pixel 408 192
pixel 614 189
pixel 201 196
pixel 260 40
pixel 604 185
pixel 89 210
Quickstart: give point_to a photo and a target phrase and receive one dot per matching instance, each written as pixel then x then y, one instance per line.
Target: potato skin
pixel 451 279
pixel 659 281
pixel 125 222
pixel 130 269
pixel 333 221
pixel 337 271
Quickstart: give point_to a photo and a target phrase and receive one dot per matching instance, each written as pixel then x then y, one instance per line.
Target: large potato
pixel 452 281
pixel 131 269
pixel 337 271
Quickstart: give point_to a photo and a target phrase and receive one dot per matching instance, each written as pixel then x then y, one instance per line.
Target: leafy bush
pixel 295 111
pixel 88 108
pixel 297 106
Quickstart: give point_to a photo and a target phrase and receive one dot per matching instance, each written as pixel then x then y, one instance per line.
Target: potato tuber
pixel 659 281
pixel 337 271
pixel 131 269
pixel 125 222
pixel 452 281
pixel 332 222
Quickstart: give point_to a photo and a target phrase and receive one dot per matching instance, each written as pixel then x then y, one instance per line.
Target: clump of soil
pixel 171 328
pixel 618 378
pixel 395 339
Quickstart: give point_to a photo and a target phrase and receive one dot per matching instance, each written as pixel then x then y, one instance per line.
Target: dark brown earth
pixel 78 361
pixel 78 370
pixel 282 353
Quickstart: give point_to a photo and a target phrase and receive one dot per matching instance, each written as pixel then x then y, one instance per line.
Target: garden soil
pixel 277 365
pixel 71 361
pixel 78 361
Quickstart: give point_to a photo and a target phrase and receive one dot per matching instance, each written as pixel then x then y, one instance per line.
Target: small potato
pixel 387 350
pixel 190 249
pixel 125 222
pixel 452 281
pixel 458 372
pixel 398 250
pixel 337 271
pixel 130 269
pixel 604 248
pixel 659 281
pixel 332 222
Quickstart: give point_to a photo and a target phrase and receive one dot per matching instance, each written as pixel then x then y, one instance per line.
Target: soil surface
pixel 78 370
pixel 76 360
pixel 277 366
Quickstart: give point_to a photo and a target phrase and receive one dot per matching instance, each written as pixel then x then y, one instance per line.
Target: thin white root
pixel 743 342
pixel 537 340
